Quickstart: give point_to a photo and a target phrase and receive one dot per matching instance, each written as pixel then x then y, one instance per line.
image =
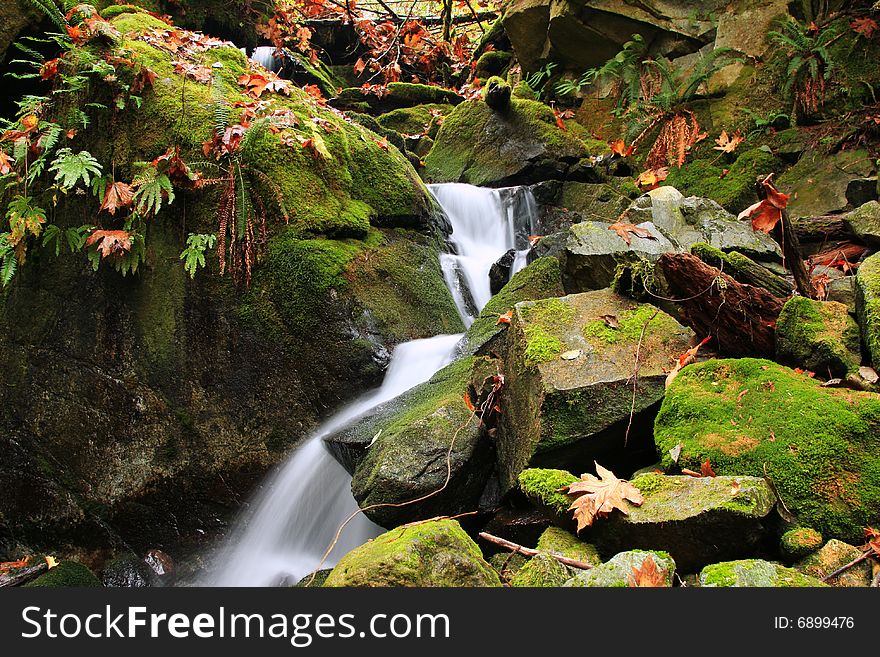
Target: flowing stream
pixel 291 522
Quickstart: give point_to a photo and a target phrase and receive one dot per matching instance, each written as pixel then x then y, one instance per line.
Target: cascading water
pixel 294 519
pixel 265 57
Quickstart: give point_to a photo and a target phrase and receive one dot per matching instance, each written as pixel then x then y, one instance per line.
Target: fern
pixel 8 262
pixel 194 255
pixel 51 11
pixel 74 237
pixel 24 217
pixel 151 188
pixel 70 168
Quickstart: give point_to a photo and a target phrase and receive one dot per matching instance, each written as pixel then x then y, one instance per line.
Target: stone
pixel 541 571
pixel 864 222
pixel 819 336
pixel 496 93
pixel 553 403
pixel 499 272
pixel 556 540
pixel 67 573
pixel 697 520
pixel 397 95
pixel 832 556
pixel 542 487
pixel 494 62
pixel 127 571
pixel 618 571
pixel 843 290
pixel 754 572
pixel 800 542
pixel 817 183
pixel 868 305
pixel 507 564
pixel 399 451
pixel 754 417
pixel 862 190
pixel 430 554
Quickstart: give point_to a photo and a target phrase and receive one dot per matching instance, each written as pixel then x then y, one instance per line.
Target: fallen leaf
pixel 688 357
pixel 735 487
pixel 574 354
pixel 534 239
pixel 6 163
pixel 110 242
pixel 651 178
pixel 706 469
pixel 765 214
pixel 647 575
pixel 625 230
pixel 118 195
pixel 469 403
pixel 690 473
pixel 619 147
pixel 601 496
pixel 505 318
pixel 865 26
pixel 728 144
pixel 611 321
pixel 675 452
pixel 869 374
pixel 51 562
pixel 6 566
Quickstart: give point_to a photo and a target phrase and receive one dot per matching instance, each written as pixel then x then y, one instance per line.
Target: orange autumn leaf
pixel 728 143
pixel 625 230
pixel 688 357
pixel 765 214
pixel 619 147
pixel 118 195
pixel 6 566
pixel 6 163
pixel 865 26
pixel 706 469
pixel 49 69
pixel 469 403
pixel 647 575
pixel 600 495
pixel 651 178
pixel 359 66
pixel 110 242
pixel 534 239
pixel 505 318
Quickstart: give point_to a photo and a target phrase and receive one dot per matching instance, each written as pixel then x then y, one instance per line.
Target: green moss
pixel 417 120
pixel 524 91
pixel 630 326
pixel 868 305
pixel 494 62
pixel 542 486
pixel 819 336
pixel 111 12
pixel 541 571
pixel 558 541
pixel 542 317
pixel 618 571
pixel 798 543
pixel 735 191
pixel 743 269
pixel 754 572
pixel 754 417
pixel 66 574
pixel 437 553
pixel 318 73
pixel 541 346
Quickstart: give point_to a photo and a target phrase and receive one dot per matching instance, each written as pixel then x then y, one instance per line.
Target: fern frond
pixel 51 11
pixel 70 168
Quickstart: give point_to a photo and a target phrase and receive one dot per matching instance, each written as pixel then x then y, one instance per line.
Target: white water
pixel 287 528
pixel 265 57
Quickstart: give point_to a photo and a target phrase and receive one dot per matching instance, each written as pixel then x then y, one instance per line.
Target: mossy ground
pixel 632 325
pixel 753 417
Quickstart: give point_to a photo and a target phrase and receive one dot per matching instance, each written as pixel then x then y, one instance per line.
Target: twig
pixel 632 408
pixel 23 575
pixel 846 567
pixel 529 552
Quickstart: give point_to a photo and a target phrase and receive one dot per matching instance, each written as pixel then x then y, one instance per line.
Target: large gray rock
pixel 864 222
pixel 833 555
pixel 697 520
pixel 868 305
pixel 399 452
pixel 818 182
pixel 568 376
pixel 620 570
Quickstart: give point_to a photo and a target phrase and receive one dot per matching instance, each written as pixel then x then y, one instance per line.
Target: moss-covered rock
pixel 619 571
pixel 833 555
pixel 819 336
pixel 540 280
pixel 697 520
pixel 395 96
pixel 735 191
pixel 315 579
pixel 835 170
pixel 15 16
pixel 868 305
pixel 436 553
pixel 494 62
pixel 507 564
pixel 556 540
pixel 743 269
pixel 800 542
pixel 552 401
pixel 541 571
pixel 754 572
pixel 864 222
pixel 66 574
pixel 418 120
pixel 480 146
pixel 753 417
pixel 542 486
pixel 406 443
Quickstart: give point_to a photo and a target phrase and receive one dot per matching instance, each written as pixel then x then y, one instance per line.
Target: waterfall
pixel 265 57
pixel 291 522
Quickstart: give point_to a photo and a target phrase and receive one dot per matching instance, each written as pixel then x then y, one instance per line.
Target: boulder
pixel 744 269
pixel 620 570
pixel 499 272
pixel 864 222
pixel 754 572
pixel 542 488
pixel 66 574
pixel 754 417
pixel 399 452
pixel 541 571
pixel 494 62
pixel 835 171
pixel 430 554
pixel 568 374
pixel 819 336
pixel 15 17
pixel 481 146
pixel 395 96
pixel 833 555
pixel 862 190
pixel 800 542
pixel 496 93
pixel 697 520
pixel 419 120
pixel 868 305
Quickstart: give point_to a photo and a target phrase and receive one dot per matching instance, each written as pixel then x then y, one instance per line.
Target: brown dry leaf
pixel 706 469
pixel 647 575
pixel 505 318
pixel 6 566
pixel 51 561
pixel 611 321
pixel 534 239
pixel 625 230
pixel 619 147
pixel 6 163
pixel 690 473
pixel 118 195
pixel 110 242
pixel 767 213
pixel 469 403
pixel 651 178
pixel 728 144
pixel 601 496
pixel 688 357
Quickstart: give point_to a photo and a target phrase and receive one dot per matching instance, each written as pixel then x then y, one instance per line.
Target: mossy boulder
pixel 541 571
pixel 568 376
pixel 800 542
pixel 395 96
pixel 66 574
pixel 481 146
pixel 697 520
pixel 817 183
pixel 430 554
pixel 619 571
pixel 743 269
pixel 754 417
pixel 755 573
pixel 833 555
pixel 494 62
pixel 556 540
pixel 542 487
pixel 399 452
pixel 539 280
pixel 864 222
pixel 15 17
pixel 507 564
pixel 868 305
pixel 734 191
pixel 819 336
pixel 418 120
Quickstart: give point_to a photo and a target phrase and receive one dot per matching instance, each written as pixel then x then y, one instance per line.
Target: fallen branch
pixel 846 567
pixel 529 552
pixel 632 409
pixel 23 575
pixel 462 19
